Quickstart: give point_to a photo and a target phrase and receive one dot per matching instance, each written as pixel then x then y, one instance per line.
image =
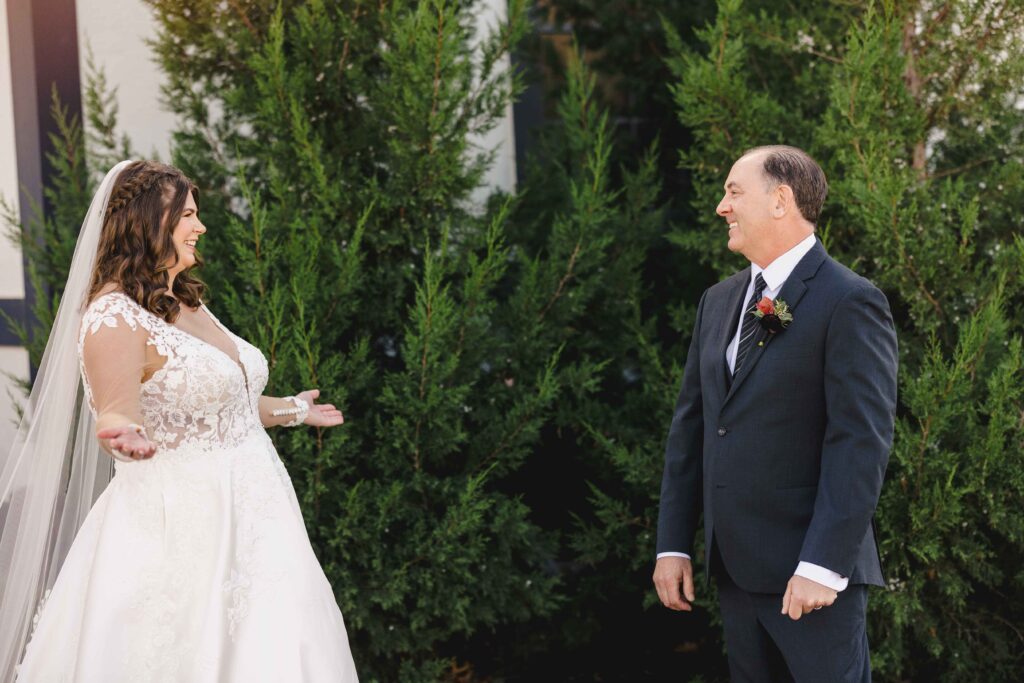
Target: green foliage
pixel 605 451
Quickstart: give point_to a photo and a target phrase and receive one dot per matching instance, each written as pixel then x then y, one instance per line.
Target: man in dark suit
pixel 781 435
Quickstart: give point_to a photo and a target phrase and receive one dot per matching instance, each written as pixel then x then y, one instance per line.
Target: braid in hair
pixel 133 187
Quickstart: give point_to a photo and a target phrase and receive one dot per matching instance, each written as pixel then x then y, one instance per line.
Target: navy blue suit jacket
pixel 786 460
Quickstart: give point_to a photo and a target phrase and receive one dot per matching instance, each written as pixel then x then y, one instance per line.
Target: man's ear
pixel 784 202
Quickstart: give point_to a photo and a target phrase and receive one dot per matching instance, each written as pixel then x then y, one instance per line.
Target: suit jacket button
pixel 722 431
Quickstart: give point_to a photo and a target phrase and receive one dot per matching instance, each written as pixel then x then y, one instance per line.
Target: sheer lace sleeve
pixel 113 347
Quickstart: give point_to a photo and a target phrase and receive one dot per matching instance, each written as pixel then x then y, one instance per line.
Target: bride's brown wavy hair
pixel 136 245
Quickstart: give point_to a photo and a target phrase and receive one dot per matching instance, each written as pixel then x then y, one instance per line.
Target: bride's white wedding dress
pixel 193 566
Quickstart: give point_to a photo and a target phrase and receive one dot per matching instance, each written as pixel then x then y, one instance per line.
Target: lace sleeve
pixel 113 352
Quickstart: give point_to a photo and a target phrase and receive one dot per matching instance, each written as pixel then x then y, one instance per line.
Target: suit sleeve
pixel 860 406
pixel 681 481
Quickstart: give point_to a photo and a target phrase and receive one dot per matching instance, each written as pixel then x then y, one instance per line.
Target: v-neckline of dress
pixel 238 351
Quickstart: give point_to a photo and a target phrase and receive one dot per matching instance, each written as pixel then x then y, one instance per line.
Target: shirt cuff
pixel 673 554
pixel 825 577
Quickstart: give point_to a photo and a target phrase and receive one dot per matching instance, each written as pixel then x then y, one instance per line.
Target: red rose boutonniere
pixel 774 316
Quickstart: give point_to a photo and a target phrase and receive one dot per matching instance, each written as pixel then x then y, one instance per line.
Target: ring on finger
pixel 818 607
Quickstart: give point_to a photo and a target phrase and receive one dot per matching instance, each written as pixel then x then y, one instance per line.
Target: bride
pixel 182 555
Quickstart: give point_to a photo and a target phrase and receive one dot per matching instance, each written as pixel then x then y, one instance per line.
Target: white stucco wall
pixel 12 283
pixel 13 360
pixel 502 174
pixel 116 31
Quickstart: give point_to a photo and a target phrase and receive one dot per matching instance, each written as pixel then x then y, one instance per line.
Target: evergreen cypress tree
pixel 599 465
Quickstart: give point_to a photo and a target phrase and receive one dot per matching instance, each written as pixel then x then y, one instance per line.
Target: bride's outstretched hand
pixel 129 444
pixel 320 414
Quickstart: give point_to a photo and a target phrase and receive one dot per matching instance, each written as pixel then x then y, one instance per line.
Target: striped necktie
pixel 749 324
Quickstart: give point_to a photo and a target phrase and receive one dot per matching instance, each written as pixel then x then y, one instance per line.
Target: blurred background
pixel 482 227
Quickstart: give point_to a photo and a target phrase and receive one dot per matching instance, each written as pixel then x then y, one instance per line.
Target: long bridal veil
pixel 53 471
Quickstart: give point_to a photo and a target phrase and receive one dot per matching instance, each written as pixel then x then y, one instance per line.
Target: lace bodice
pixel 194 397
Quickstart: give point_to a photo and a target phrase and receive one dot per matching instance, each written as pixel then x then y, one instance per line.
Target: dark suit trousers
pixel 766 646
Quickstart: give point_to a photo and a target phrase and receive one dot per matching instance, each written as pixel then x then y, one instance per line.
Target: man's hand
pixel 803 595
pixel 669 572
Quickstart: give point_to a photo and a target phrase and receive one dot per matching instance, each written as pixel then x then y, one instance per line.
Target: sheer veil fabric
pixel 53 471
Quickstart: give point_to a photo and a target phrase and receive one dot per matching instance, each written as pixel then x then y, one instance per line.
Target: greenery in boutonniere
pixel 774 316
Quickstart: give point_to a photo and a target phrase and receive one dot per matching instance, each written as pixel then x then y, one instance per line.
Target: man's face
pixel 746 206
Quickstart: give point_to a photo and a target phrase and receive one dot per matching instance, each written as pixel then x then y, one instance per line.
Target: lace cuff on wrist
pixel 300 411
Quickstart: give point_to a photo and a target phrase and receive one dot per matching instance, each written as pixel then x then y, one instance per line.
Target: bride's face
pixel 186 235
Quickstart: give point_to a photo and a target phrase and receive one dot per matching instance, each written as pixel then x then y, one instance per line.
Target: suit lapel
pixel 792 292
pixel 727 328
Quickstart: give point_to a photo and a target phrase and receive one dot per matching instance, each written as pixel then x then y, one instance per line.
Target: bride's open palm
pixel 320 414
pixel 128 442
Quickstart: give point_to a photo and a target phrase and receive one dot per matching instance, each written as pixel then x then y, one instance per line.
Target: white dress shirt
pixel 774 277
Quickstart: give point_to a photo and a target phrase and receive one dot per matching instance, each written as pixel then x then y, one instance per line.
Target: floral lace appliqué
pixel 200 400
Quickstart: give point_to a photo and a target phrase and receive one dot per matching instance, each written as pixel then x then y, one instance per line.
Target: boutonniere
pixel 774 316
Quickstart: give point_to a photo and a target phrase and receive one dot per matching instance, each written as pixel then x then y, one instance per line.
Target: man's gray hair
pixel 785 165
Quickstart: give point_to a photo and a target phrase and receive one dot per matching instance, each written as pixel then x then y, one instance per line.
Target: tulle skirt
pixel 192 567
